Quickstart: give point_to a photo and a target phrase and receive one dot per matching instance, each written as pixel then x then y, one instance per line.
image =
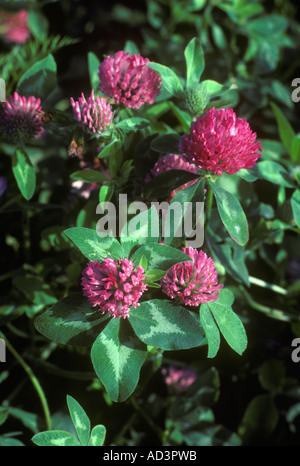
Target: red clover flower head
pixel 113 286
pixel 15 26
pixel 20 118
pixel 178 379
pixel 220 142
pixel 193 282
pixel 95 114
pixel 128 80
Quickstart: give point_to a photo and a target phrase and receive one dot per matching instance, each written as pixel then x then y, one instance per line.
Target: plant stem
pixel 124 429
pixel 51 368
pixel 209 200
pixel 16 331
pixel 34 382
pixel 129 112
pixel 271 312
pixel 26 236
pixel 156 429
pixel 7 275
pixel 263 284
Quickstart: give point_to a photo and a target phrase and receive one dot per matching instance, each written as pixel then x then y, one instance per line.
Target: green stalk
pixel 34 382
pixel 271 312
pixel 7 275
pixel 263 284
pixel 209 200
pixel 147 418
pixel 51 368
pixel 129 112
pixel 125 428
pixel 26 236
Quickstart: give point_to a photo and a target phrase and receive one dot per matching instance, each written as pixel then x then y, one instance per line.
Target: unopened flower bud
pixel 196 99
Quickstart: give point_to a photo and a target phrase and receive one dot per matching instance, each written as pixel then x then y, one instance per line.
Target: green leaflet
pixel 93 66
pixel 117 356
pixel 194 58
pixel 295 149
pixel 295 203
pixel 94 247
pixel 169 78
pixel 143 228
pixel 189 199
pixel 228 322
pixel 40 79
pixel 232 257
pixel 211 330
pixel 110 148
pixel 71 321
pixel 97 436
pixel 159 256
pixel 38 24
pixel 166 325
pixel 273 172
pixel 80 420
pixel 232 214
pixel 89 176
pixel 55 438
pixel 259 420
pixel 24 173
pixel 166 143
pixel 285 130
pixel 105 192
pixel 154 275
pixel 162 185
pixel 212 88
pixel 132 124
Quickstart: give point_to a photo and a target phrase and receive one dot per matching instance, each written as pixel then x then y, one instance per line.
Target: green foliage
pixel 117 356
pixel 219 314
pixel 231 214
pixel 190 419
pixel 39 79
pixel 94 247
pixel 170 81
pixel 81 422
pixel 24 173
pixel 19 58
pixel 194 62
pixel 167 326
pixel 159 256
pixel 71 321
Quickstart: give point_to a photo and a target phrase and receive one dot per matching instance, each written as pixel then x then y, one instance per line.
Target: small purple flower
pixel 293 270
pixel 20 118
pixel 128 80
pixel 95 114
pixel 3 185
